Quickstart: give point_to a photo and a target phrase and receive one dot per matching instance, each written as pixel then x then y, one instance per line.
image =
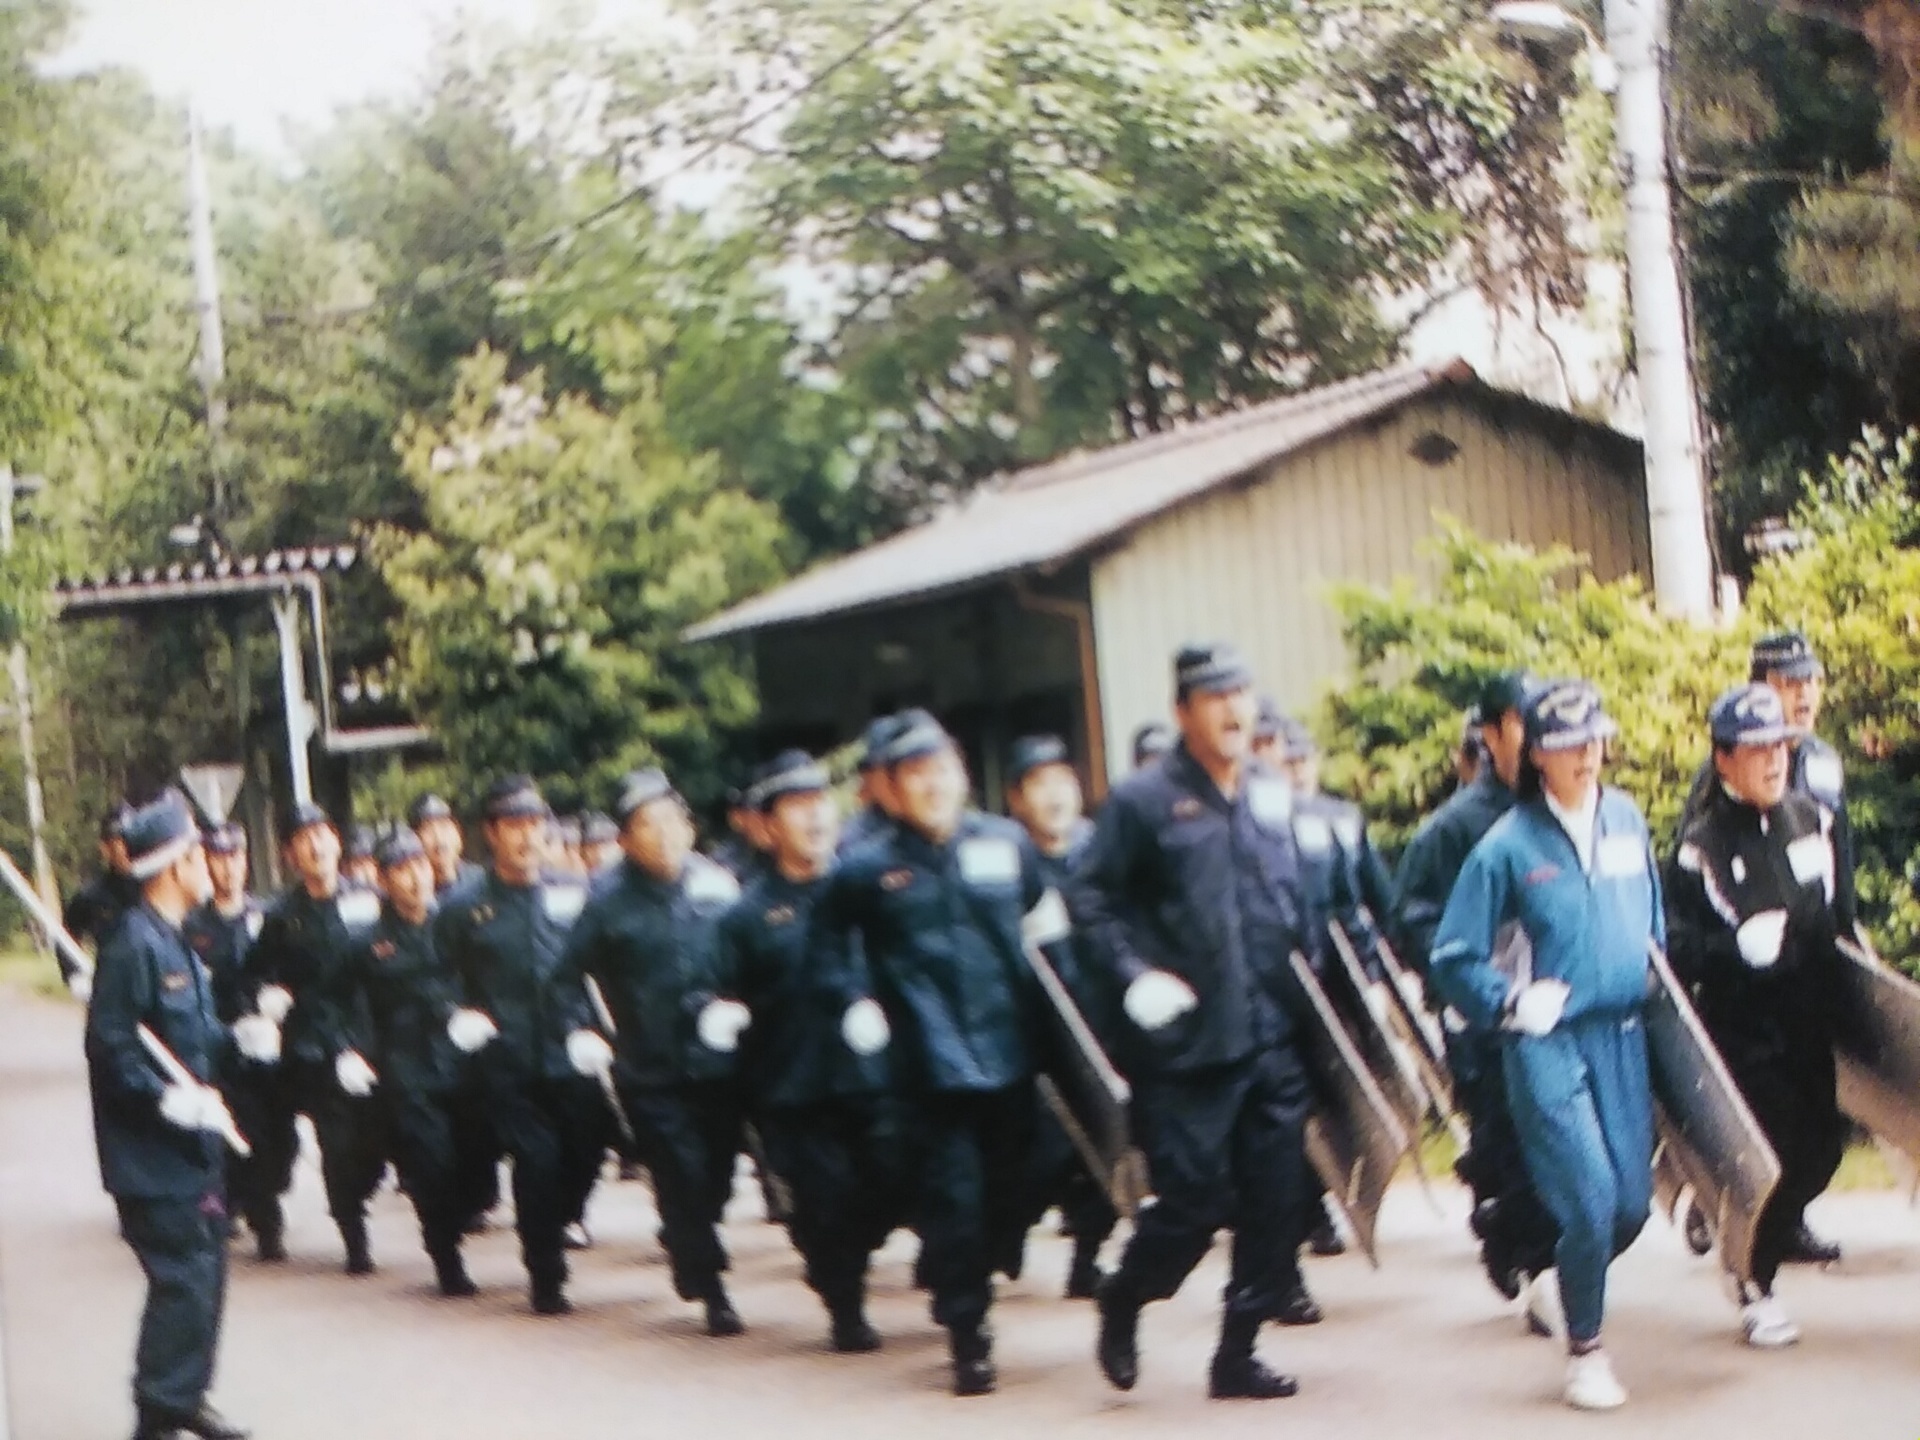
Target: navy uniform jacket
pixel 798 984
pixel 1731 864
pixel 147 975
pixel 303 945
pixel 96 909
pixel 1435 856
pixel 869 822
pixel 740 860
pixel 506 944
pixel 652 947
pixel 222 943
pixel 940 927
pixel 1817 772
pixel 405 996
pixel 466 876
pixel 1524 908
pixel 1179 878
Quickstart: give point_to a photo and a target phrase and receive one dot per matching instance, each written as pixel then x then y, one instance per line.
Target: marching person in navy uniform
pixel 1517 1233
pixel 1752 925
pixel 877 808
pixel 97 906
pixel 439 830
pixel 161 1151
pixel 818 1089
pixel 1150 741
pixel 298 971
pixel 649 939
pixel 406 994
pixel 528 1024
pixel 1191 903
pixel 221 932
pixel 1545 944
pixel 1043 794
pixel 937 901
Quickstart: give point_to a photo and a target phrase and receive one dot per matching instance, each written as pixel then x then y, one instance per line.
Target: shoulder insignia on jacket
pixel 1186 808
pixel 779 915
pixel 1542 874
pixel 383 949
pixel 482 914
pixel 896 879
pixel 174 981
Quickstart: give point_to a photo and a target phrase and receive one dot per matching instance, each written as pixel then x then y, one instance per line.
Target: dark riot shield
pixel 1410 995
pixel 1085 1093
pixel 1707 1137
pixel 1877 1054
pixel 1355 1141
pixel 1380 1031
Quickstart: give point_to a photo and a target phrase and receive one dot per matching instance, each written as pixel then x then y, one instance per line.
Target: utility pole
pixel 23 709
pixel 1676 489
pixel 212 366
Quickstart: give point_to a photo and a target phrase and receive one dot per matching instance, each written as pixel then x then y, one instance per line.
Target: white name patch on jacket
pixel 1620 856
pixel 987 860
pixel 563 902
pixel 1270 800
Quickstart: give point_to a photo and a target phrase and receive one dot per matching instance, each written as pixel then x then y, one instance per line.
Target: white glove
pixel 1157 999
pixel 720 1024
pixel 257 1038
pixel 864 1027
pixel 1539 1005
pixel 355 1075
pixel 1377 1003
pixel 81 986
pixel 589 1053
pixel 1761 936
pixel 192 1107
pixel 275 1002
pixel 470 1030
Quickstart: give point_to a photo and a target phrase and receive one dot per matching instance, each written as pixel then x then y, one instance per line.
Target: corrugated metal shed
pixel 1041 517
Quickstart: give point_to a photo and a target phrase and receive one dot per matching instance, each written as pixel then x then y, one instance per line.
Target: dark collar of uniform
pixel 649 884
pixel 1190 775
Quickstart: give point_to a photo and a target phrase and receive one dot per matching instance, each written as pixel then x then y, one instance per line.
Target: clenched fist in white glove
pixel 355 1075
pixel 864 1027
pixel 193 1107
pixel 1157 999
pixel 1761 937
pixel 720 1024
pixel 275 1002
pixel 1539 1006
pixel 80 986
pixel 470 1030
pixel 257 1038
pixel 589 1053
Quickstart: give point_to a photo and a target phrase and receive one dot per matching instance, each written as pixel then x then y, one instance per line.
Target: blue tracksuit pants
pixel 1583 1105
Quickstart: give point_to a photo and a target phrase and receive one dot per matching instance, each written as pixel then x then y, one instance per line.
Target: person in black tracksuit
pixel 1752 926
pixel 404 996
pixel 937 901
pixel 301 954
pixel 221 932
pixel 1518 1237
pixel 530 1026
pixel 831 1129
pixel 648 939
pixel 1044 795
pixel 1191 900
pixel 159 1140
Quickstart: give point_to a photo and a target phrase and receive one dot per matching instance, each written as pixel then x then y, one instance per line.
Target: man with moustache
pixel 1752 925
pixel 298 968
pixel 160 1139
pixel 529 1024
pixel 1191 901
pixel 937 902
pixel 815 1076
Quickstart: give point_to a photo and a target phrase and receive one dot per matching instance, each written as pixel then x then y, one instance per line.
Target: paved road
pixel 1419 1348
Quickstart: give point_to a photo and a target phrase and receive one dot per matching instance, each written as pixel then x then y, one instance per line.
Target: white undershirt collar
pixel 1579 823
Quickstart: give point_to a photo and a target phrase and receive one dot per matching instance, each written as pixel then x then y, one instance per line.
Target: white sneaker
pixel 1765 1325
pixel 1591 1384
pixel 1540 1309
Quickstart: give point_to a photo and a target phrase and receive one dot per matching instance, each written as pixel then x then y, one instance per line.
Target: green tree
pixel 566 548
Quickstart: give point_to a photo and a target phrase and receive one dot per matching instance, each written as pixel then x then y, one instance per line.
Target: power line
pixel 494 268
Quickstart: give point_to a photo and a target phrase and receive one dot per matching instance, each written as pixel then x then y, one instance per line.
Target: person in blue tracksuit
pixel 160 1144
pixel 1545 941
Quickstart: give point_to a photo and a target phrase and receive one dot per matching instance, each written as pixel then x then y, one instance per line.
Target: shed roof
pixel 1047 515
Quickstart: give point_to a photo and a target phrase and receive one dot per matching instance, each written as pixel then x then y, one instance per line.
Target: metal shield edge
pixel 1089 1096
pixel 1355 1142
pixel 1383 1036
pixel 1877 1051
pixel 1707 1136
